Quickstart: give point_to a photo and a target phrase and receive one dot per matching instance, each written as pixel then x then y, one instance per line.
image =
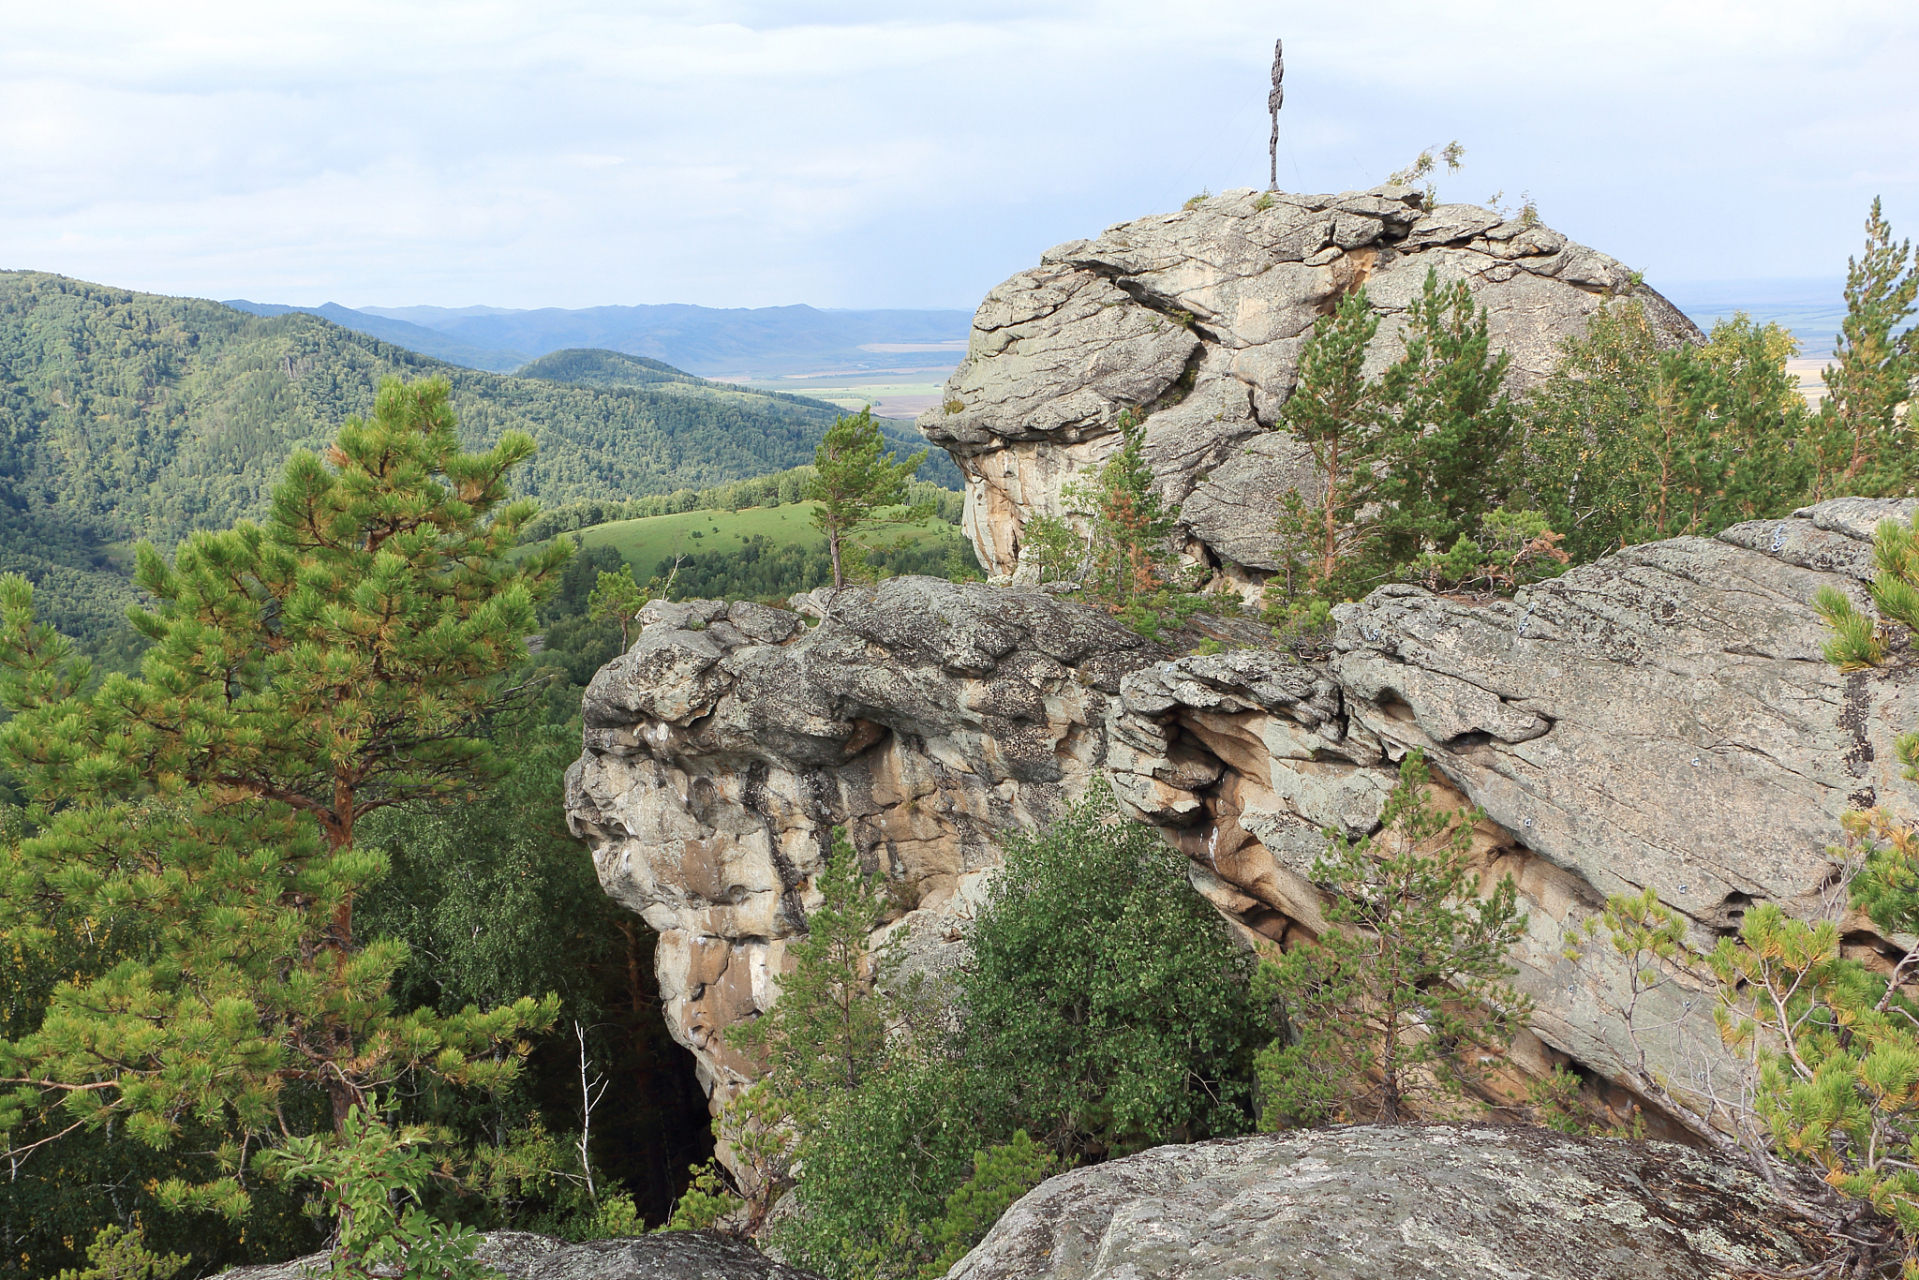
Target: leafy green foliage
pixel 1001 1175
pixel 370 1180
pixel 705 1201
pixel 782 488
pixel 762 569
pixel 853 483
pixel 1127 552
pixel 616 598
pixel 1404 465
pixel 823 1036
pixel 1450 422
pixel 874 1127
pixel 495 900
pixel 875 1166
pixel 1107 1009
pixel 1860 443
pixel 1520 549
pixel 1856 641
pixel 1115 539
pixel 1053 550
pixel 118 1254
pixel 1386 1013
pixel 1835 1044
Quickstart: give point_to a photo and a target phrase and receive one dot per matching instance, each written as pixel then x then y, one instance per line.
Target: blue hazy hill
pixel 736 341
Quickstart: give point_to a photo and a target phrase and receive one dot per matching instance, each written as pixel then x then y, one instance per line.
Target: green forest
pixel 128 416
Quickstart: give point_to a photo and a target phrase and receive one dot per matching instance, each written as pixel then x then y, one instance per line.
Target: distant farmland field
pixel 644 543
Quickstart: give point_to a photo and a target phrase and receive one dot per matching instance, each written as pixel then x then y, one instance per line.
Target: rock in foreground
pixel 521 1255
pixel 1378 1202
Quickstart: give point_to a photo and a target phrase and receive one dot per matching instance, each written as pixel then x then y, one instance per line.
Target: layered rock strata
pixel 1197 318
pixel 1439 1202
pixel 1661 719
pixel 930 718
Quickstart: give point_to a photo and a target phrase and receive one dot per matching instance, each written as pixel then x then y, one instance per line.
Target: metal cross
pixel 1274 101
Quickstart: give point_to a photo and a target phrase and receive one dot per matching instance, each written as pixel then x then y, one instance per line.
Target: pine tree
pixel 344 657
pixel 824 1033
pixel 1449 421
pixel 1409 980
pixel 853 481
pixel 1129 553
pixel 1628 441
pixel 822 1039
pixel 616 598
pixel 1862 444
pixel 1335 411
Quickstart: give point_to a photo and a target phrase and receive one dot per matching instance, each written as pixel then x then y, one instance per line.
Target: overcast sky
pixel 858 154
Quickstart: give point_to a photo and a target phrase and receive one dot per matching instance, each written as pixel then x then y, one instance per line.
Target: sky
pixel 737 153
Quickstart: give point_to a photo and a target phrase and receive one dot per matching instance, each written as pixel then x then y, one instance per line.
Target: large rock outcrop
pixel 1660 719
pixel 1198 317
pixel 931 718
pixel 1370 1202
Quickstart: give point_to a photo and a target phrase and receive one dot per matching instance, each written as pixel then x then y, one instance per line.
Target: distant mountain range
pixel 773 342
pixel 129 415
pixel 760 342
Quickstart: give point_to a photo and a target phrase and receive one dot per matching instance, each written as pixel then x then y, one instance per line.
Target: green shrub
pixel 705 1201
pixel 116 1254
pixel 1108 1007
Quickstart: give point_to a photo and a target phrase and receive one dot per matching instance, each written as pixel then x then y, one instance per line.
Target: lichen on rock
pixel 1386 1202
pixel 1199 316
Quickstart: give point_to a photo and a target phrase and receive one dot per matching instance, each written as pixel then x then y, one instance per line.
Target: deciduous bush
pixel 1107 1008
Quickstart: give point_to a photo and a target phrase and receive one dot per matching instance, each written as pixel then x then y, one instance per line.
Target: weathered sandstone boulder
pixel 521 1255
pixel 1198 317
pixel 1660 719
pixel 930 718
pixel 1436 1202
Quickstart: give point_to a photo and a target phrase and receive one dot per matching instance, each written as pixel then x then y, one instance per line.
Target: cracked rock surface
pixel 521 1255
pixel 1662 718
pixel 1198 317
pixel 930 718
pixel 1373 1202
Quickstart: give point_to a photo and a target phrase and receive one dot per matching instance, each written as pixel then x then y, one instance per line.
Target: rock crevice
pixel 1660 719
pixel 1199 316
pixel 929 718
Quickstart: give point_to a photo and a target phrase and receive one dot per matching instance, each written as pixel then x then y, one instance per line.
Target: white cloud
pixel 856 154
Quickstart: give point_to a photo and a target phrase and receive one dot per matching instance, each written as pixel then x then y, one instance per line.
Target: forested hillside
pixel 126 415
